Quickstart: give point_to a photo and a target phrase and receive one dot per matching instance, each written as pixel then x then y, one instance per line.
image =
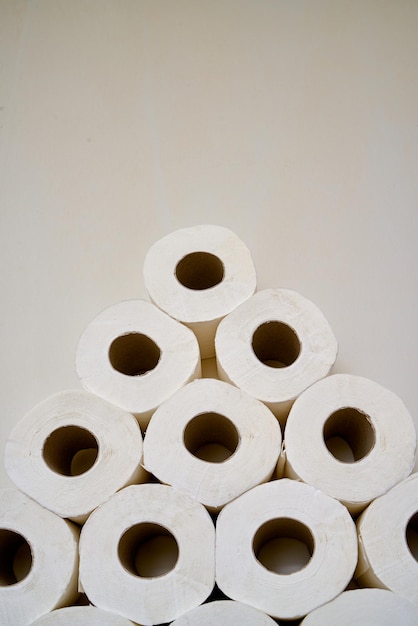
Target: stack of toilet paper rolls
pixel 212 469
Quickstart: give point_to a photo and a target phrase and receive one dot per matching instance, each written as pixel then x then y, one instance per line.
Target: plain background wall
pixel 294 123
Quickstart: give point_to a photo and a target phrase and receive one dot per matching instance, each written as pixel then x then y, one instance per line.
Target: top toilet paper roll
pixel 72 451
pixel 212 441
pixel 368 607
pixel 388 541
pixel 351 438
pixel 198 275
pixel 273 346
pixel 136 356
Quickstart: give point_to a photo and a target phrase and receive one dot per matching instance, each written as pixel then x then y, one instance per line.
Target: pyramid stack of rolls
pixel 211 468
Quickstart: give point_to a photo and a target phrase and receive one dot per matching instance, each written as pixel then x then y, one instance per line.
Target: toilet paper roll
pixel 135 356
pixel 351 438
pixel 148 554
pixel 212 441
pixel 72 451
pixel 198 275
pixel 388 541
pixel 284 548
pixel 368 607
pixel 273 346
pixel 38 560
pixel 82 615
pixel 226 613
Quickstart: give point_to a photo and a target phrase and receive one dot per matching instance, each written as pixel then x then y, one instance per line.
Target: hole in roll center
pixel 200 270
pixel 211 437
pixel 411 535
pixel 134 354
pixel 148 550
pixel 276 344
pixel 15 557
pixel 283 545
pixel 70 450
pixel 349 434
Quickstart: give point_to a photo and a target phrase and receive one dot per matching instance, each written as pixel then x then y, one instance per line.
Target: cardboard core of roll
pixel 134 354
pixel 276 344
pixel 148 550
pixel 349 434
pixel 15 557
pixel 211 437
pixel 70 450
pixel 200 270
pixel 283 545
pixel 411 533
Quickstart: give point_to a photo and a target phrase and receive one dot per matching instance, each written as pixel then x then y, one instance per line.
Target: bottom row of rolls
pixel 369 607
pixel 152 555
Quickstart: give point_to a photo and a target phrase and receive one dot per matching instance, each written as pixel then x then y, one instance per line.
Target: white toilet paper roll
pixel 388 541
pixel 226 613
pixel 351 438
pixel 148 554
pixel 364 607
pixel 198 275
pixel 38 560
pixel 273 346
pixel 285 548
pixel 135 356
pixel 213 442
pixel 72 451
pixel 82 616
